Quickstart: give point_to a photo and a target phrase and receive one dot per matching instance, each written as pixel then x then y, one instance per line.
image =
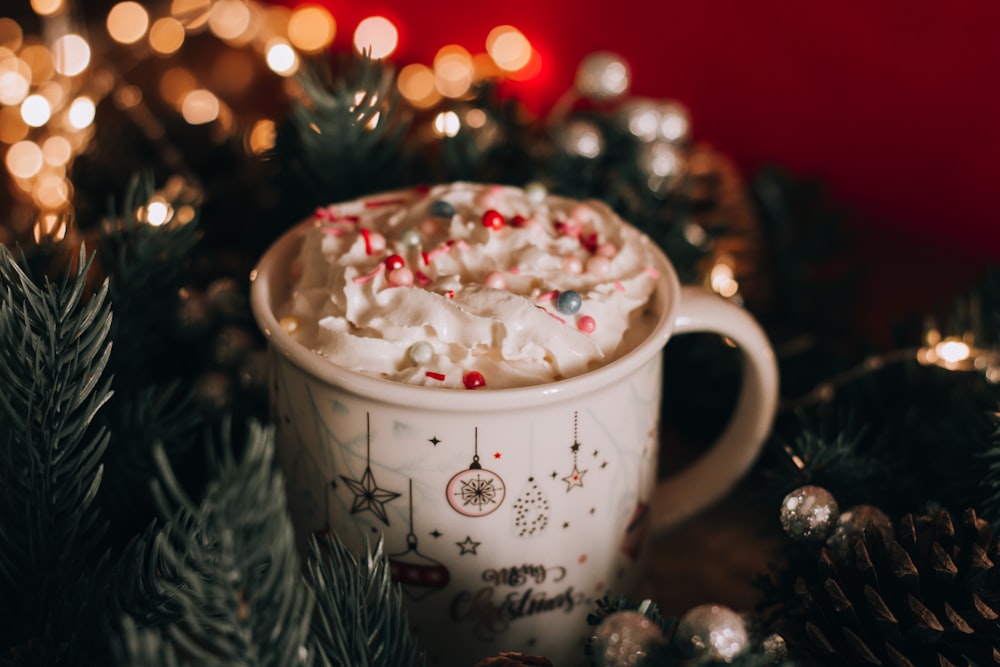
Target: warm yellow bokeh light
pixel 39 60
pixel 416 84
pixel 229 19
pixel 175 83
pixel 192 14
pixel 12 127
pixel 14 84
pixel 262 137
pixel 447 124
pixel 952 351
pixel 51 226
pixel 453 71
pixel 200 106
pixel 54 92
pixel 36 110
pixel 378 34
pixel 158 211
pixel 51 192
pixel 127 22
pixel 71 54
pixel 56 151
pixel 82 112
pixel 46 7
pixel 508 47
pixel 11 34
pixel 24 159
pixel 281 58
pixel 166 36
pixel 723 281
pixel 311 28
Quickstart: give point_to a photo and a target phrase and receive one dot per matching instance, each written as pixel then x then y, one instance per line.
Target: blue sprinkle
pixel 569 302
pixel 442 209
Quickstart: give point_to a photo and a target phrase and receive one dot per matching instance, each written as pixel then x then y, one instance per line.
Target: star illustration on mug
pixel 468 546
pixel 368 496
pixel 574 478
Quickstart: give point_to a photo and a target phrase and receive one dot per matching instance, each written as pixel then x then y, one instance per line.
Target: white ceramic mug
pixel 505 513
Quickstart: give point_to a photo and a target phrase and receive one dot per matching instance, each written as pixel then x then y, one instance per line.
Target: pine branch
pixel 359 620
pixel 233 569
pixel 54 348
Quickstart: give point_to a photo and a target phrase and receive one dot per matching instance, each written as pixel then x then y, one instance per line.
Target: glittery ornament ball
pixel 859 520
pixel 712 631
pixel 624 639
pixel 809 513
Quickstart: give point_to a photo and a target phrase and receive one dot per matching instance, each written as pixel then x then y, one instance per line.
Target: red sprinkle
pixel 450 294
pixel 366 233
pixel 426 257
pixel 493 219
pixel 394 262
pixel 586 324
pixel 332 231
pixel 422 278
pixel 473 380
pixel 435 376
pixel 517 221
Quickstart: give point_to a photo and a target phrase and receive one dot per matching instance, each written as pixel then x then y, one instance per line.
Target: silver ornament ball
pixel 624 639
pixel 809 513
pixel 603 75
pixel 581 138
pixel 712 631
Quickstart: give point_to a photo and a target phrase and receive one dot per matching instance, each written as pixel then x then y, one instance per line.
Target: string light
pixel 127 22
pixel 447 124
pixel 46 7
pixel 24 159
pixel 14 82
pixel 166 36
pixel 229 19
pixel 722 280
pixel 56 151
pixel 453 71
pixel 416 84
pixel 82 112
pixel 281 58
pixel 508 47
pixel 11 35
pixel 36 110
pixel 311 28
pixel 262 136
pixel 200 106
pixel 192 14
pixel 71 54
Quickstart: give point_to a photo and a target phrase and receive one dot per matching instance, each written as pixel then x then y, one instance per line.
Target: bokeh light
pixel 416 84
pixel 200 106
pixel 262 136
pixel 12 127
pixel 378 34
pixel 24 159
pixel 51 191
pixel 281 58
pixel 453 71
pixel 229 19
pixel 175 83
pixel 15 81
pixel 447 124
pixel 36 110
pixel 11 35
pixel 51 225
pixel 311 28
pixel 82 112
pixel 127 22
pixel 56 151
pixel 39 60
pixel 71 54
pixel 46 7
pixel 508 47
pixel 166 36
pixel 158 211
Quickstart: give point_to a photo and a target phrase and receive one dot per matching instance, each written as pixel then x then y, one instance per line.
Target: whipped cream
pixel 469 285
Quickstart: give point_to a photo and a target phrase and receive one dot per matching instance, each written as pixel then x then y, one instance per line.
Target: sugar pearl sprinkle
pixel 411 249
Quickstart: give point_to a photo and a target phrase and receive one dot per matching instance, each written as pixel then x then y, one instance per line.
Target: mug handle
pixel 716 471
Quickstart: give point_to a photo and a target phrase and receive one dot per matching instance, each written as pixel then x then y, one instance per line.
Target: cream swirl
pixel 465 285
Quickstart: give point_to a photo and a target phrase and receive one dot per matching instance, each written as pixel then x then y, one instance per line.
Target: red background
pixel 893 103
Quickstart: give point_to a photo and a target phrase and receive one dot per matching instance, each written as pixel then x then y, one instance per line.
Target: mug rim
pixel 262 300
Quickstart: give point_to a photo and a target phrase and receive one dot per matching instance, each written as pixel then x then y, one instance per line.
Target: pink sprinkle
pixel 516 271
pixel 606 250
pixel 435 376
pixel 365 278
pixel 619 286
pixel 650 271
pixel 422 278
pixel 586 324
pixel 568 228
pixel 332 231
pixel 323 213
pixel 496 280
pixel 385 202
pixel 555 317
pixel 548 296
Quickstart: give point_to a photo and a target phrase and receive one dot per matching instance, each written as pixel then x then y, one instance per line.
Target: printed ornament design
pixel 475 491
pixel 368 496
pixel 531 510
pixel 418 575
pixel 575 476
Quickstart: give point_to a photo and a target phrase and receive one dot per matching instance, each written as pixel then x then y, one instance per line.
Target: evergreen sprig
pixel 54 349
pixel 359 619
pixel 232 567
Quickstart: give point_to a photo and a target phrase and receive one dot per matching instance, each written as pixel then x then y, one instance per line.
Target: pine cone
pixel 514 659
pixel 927 596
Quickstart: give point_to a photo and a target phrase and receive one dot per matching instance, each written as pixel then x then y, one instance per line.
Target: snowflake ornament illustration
pixel 368 496
pixel 475 491
pixel 418 575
